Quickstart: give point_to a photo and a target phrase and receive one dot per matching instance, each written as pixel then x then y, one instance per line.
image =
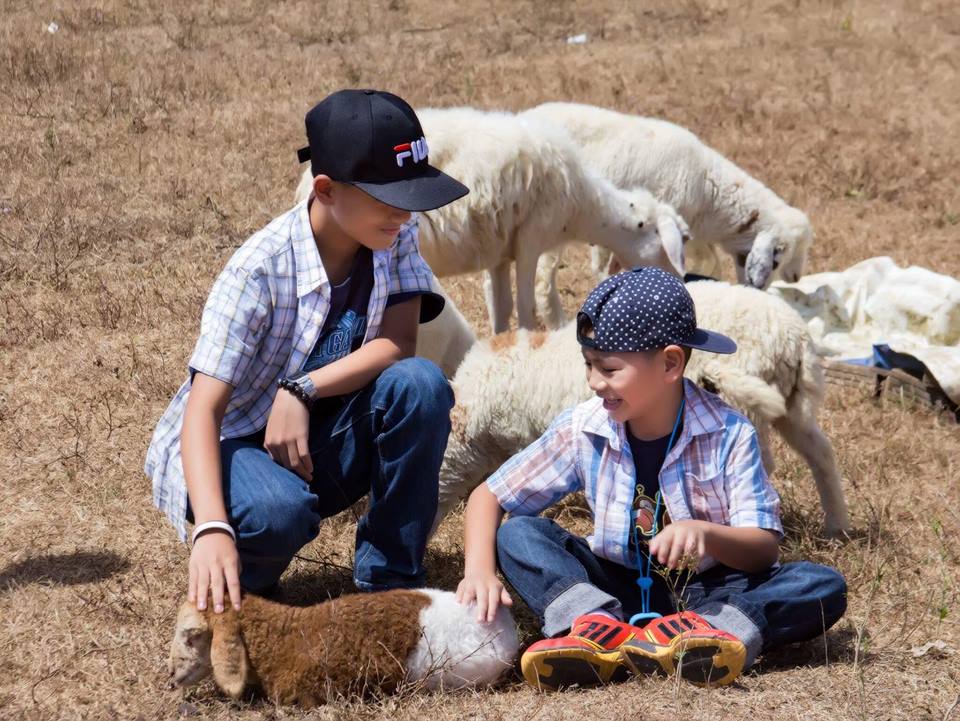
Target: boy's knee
pixel 830 587
pixel 517 531
pixel 418 383
pixel 279 526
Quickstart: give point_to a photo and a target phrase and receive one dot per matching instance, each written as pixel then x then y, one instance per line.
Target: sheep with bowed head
pixel 349 645
pixel 530 192
pixel 724 205
pixel 512 386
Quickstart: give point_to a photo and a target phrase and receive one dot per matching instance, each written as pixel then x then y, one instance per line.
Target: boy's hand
pixel 488 592
pixel 214 562
pixel 287 432
pixel 680 543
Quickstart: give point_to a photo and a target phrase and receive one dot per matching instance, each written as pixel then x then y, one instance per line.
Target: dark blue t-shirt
pixel 346 322
pixel 648 458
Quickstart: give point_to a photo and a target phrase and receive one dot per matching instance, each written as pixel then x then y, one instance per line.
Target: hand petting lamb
pixel 724 205
pixel 510 387
pixel 529 192
pixel 346 646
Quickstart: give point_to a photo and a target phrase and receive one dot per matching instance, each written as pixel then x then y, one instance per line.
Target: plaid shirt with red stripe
pixel 713 473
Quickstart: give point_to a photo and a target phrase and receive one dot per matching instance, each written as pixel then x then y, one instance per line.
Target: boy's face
pixel 632 384
pixel 362 217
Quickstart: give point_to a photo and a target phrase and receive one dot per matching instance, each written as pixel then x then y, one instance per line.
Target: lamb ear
pixel 672 240
pixel 228 655
pixel 759 266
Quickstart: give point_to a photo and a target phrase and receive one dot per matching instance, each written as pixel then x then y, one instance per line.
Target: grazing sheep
pixel 509 389
pixel 352 644
pixel 722 203
pixel 529 192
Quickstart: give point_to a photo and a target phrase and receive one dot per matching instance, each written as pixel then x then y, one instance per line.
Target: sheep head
pixel 204 642
pixel 779 250
pixel 637 236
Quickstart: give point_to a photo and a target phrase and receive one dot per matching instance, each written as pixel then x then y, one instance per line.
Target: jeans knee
pixel 830 587
pixel 419 384
pixel 279 526
pixel 517 531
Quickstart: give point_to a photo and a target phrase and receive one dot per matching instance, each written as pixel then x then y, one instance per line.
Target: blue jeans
pixel 560 578
pixel 387 440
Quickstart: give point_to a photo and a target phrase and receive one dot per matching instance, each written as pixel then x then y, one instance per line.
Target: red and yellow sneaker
pixel 687 644
pixel 589 656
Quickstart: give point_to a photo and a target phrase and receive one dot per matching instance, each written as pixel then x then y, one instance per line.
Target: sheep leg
pixel 549 305
pixel 496 290
pixel 526 282
pixel 803 434
pixel 600 258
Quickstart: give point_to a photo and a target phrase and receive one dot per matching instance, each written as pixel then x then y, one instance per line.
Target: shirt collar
pixel 700 417
pixel 310 271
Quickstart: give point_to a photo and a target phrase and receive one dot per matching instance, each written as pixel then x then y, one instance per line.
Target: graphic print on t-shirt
pixel 644 508
pixel 339 340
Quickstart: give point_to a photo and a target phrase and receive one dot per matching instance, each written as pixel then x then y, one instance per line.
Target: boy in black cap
pixel 686 523
pixel 303 393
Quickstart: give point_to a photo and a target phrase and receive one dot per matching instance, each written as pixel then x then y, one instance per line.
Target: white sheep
pixel 723 204
pixel 349 645
pixel 529 192
pixel 510 387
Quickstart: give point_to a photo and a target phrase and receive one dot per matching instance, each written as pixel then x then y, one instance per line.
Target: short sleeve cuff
pixel 431 304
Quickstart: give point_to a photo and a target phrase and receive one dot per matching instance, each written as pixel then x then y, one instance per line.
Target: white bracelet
pixel 222 525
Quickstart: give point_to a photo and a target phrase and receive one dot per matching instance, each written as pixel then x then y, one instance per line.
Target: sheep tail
pixel 748 393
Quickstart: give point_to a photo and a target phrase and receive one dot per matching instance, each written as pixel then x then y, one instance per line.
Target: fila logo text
pixel 417 150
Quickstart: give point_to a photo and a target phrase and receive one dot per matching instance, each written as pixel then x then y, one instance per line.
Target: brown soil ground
pixel 143 142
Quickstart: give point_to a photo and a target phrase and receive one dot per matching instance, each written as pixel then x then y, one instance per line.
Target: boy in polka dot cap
pixel 681 572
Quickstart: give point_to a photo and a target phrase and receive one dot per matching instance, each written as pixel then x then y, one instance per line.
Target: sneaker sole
pixel 702 661
pixel 557 668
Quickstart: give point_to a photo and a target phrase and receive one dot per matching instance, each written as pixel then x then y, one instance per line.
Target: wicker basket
pixel 894 384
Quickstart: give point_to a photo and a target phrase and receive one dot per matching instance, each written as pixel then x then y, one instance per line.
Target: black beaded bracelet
pixel 296 390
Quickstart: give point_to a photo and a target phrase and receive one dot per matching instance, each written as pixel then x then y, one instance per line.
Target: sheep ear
pixel 759 265
pixel 228 655
pixel 672 240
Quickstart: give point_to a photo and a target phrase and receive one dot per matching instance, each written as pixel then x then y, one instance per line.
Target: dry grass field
pixel 141 143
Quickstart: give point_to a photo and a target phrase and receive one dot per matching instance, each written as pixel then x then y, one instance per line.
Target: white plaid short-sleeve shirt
pixel 713 473
pixel 261 320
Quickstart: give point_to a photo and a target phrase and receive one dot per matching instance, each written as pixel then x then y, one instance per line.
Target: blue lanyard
pixel 645 581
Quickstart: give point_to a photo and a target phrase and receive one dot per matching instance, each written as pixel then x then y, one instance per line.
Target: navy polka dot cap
pixel 644 309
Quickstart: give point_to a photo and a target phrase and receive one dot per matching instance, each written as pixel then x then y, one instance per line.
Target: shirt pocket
pixel 708 494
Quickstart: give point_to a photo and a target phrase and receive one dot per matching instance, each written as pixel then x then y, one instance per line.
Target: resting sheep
pixel 346 646
pixel 529 192
pixel 723 204
pixel 510 387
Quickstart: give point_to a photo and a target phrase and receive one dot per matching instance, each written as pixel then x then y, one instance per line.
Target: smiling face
pixel 633 385
pixel 371 223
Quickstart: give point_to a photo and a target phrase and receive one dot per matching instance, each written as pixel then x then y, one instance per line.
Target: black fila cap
pixel 644 309
pixel 373 140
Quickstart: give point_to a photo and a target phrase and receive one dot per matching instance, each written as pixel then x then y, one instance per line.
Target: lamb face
pixel 189 661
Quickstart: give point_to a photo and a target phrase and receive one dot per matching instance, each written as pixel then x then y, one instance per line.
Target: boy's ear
pixel 322 188
pixel 674 360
